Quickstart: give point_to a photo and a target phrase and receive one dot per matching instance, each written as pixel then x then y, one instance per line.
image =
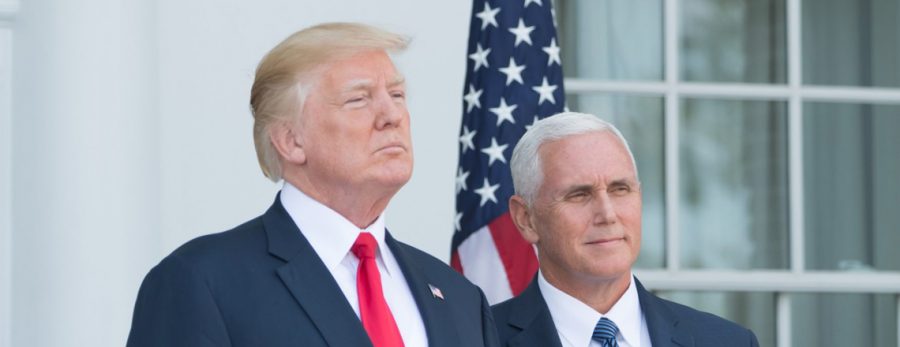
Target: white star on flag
pixel 480 56
pixel 513 72
pixel 495 152
pixel 467 139
pixel 523 33
pixel 529 2
pixel 546 92
pixel 488 16
pixel 461 180
pixel 472 98
pixel 456 221
pixel 487 192
pixel 504 112
pixel 553 14
pixel 553 51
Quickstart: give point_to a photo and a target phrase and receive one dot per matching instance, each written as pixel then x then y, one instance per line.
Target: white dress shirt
pixel 331 236
pixel 575 320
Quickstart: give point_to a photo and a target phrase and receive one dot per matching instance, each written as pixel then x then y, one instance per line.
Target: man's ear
pixel 288 143
pixel 521 216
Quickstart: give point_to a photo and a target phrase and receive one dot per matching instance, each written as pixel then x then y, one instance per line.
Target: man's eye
pixel 577 196
pixel 619 190
pixel 398 95
pixel 355 100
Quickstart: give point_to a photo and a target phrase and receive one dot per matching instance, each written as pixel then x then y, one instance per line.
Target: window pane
pixel 734 193
pixel 641 121
pixel 854 43
pixel 613 40
pixel 844 320
pixel 851 167
pixel 733 41
pixel 754 311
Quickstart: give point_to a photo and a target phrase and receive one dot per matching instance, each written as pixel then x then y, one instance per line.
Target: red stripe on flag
pixel 455 263
pixel 516 254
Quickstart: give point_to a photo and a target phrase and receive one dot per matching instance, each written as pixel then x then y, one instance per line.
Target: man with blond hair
pixel 578 200
pixel 318 268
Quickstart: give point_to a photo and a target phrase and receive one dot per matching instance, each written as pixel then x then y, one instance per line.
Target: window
pixel 767 135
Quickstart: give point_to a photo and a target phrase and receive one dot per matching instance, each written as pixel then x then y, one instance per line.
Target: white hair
pixel 527 173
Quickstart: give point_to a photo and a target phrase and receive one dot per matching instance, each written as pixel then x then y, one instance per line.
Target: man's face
pixel 586 217
pixel 354 126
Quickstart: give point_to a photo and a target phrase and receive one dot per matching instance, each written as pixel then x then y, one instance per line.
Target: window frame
pixel 783 283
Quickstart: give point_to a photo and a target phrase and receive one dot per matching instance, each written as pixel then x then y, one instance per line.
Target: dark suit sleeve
pixel 176 308
pixel 753 341
pixel 488 327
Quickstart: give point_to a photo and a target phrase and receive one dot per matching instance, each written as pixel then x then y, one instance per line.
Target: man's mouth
pixel 606 241
pixel 393 147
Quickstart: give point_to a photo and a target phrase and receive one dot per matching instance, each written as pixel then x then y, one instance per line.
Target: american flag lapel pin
pixel 436 292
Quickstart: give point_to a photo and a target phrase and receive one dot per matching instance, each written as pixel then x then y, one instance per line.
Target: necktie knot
pixel 605 333
pixel 364 247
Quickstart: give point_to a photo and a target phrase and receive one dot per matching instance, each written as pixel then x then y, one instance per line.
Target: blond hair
pixel 287 73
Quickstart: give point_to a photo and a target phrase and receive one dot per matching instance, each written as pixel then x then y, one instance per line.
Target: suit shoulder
pixel 223 247
pixel 716 328
pixel 695 315
pixel 502 310
pixel 503 314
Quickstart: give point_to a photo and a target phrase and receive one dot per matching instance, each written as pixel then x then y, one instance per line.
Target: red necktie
pixel 373 310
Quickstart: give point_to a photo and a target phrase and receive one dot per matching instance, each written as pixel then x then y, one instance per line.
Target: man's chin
pixel 395 178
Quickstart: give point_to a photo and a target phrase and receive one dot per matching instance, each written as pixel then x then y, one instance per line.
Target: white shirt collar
pixel 575 320
pixel 330 234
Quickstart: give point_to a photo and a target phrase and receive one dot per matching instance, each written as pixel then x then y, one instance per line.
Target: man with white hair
pixel 318 268
pixel 578 200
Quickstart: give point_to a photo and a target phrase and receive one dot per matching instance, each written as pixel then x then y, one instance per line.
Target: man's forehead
pixel 365 83
pixel 595 143
pixel 591 157
pixel 591 178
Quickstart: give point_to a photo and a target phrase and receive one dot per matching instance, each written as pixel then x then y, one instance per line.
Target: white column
pixel 7 13
pixel 85 173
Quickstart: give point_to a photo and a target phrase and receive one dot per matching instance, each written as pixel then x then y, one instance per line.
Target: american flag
pixel 513 78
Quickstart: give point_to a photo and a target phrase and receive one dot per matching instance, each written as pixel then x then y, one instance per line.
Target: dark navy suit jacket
pixel 525 321
pixel 261 284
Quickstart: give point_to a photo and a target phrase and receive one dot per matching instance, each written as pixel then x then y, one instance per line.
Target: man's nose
pixel 604 209
pixel 389 112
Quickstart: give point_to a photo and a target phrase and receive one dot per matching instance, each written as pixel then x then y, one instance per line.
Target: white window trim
pixel 671 126
pixel 808 93
pixel 862 282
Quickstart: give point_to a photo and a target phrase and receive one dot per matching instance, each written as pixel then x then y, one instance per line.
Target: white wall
pixel 131 134
pixel 7 11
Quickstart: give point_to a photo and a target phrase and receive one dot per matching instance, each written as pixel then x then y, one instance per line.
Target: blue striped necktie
pixel 605 333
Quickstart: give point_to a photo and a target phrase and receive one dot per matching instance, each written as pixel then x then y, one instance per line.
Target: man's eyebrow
pixel 356 85
pixel 622 182
pixel 579 187
pixel 398 80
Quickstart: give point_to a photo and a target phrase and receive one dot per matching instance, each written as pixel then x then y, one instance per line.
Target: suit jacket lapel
pixel 531 315
pixel 435 312
pixel 310 283
pixel 662 322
